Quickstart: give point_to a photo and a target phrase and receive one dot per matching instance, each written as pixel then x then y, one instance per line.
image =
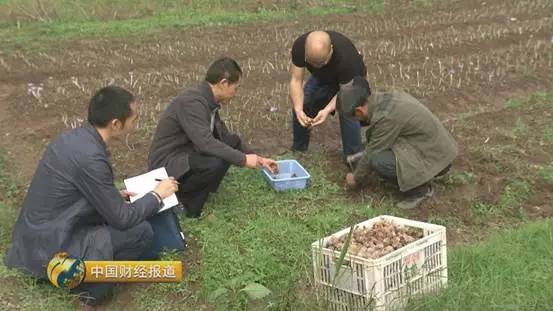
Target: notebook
pixel 145 183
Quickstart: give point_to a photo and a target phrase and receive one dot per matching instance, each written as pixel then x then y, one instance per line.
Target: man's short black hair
pixel 110 102
pixel 223 68
pixel 353 96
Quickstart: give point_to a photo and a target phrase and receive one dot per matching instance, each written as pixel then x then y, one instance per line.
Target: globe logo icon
pixel 66 271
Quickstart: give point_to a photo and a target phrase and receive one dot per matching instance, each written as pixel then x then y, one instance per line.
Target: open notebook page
pixel 145 183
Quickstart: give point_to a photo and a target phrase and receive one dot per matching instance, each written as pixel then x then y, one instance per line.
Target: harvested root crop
pixel 371 243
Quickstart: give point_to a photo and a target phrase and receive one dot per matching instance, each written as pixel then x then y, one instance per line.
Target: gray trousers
pixel 384 164
pixel 127 245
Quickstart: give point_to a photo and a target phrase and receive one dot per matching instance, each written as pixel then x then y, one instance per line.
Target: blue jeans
pixel 316 96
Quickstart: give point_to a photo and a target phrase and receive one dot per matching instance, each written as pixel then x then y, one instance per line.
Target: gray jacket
pixel 191 123
pixel 70 202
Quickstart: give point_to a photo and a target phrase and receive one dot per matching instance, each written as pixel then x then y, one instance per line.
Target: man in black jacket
pixel 73 206
pixel 194 144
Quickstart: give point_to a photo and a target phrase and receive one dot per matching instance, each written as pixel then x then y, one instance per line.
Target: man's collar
pixel 372 101
pixel 91 129
pixel 206 89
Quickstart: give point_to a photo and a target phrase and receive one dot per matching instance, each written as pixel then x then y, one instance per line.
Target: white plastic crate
pixel 384 283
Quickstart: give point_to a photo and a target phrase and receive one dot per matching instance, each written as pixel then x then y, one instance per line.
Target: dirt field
pixel 460 58
pixel 473 63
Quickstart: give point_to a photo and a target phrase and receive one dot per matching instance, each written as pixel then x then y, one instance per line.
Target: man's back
pixel 421 143
pixel 54 201
pixel 170 138
pixel 70 201
pixel 53 188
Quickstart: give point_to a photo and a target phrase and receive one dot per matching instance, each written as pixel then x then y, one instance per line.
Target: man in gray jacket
pixel 73 206
pixel 194 144
pixel 407 145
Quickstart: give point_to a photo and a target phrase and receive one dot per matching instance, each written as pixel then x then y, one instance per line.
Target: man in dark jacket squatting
pixel 194 144
pixel 73 206
pixel 407 145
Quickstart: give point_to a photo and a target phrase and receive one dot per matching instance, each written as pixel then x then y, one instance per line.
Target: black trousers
pixel 127 245
pixel 384 164
pixel 204 177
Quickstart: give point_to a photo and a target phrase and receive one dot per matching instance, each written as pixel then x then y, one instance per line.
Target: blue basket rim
pixel 270 176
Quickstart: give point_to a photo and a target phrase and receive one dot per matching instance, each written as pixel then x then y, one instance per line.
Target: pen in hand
pixel 157 179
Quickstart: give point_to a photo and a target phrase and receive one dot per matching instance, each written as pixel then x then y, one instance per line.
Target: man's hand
pixel 252 161
pixel 126 195
pixel 350 180
pixel 303 119
pixel 269 164
pixel 167 187
pixel 320 118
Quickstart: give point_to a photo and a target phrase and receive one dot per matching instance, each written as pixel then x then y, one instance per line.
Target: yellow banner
pixel 133 271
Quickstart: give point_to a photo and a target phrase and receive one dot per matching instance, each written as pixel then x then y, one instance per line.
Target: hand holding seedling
pixel 320 118
pixel 269 164
pixel 350 180
pixel 303 119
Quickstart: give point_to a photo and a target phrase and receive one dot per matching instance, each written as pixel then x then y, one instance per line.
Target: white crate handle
pixel 345 262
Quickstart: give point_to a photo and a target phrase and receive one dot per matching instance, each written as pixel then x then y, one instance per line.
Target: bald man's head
pixel 318 48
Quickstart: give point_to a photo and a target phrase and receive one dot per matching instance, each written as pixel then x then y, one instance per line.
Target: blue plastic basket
pixel 291 175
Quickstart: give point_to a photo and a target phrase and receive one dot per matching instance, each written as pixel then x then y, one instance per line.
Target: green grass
pixel 513 103
pixel 456 178
pixel 254 235
pixel 539 99
pixel 446 221
pixel 528 128
pixel 251 236
pixel 83 10
pixel 73 22
pixel 8 195
pixel 424 3
pixel 514 194
pixel 512 271
pixel 548 133
pixel 512 198
pixel 521 129
pixel 546 173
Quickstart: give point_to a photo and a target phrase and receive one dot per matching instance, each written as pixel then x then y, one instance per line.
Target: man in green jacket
pixel 407 145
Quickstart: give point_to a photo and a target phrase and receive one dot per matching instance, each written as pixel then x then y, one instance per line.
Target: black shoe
pixel 183 211
pixel 179 210
pixel 414 200
pixel 298 149
pixel 192 212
